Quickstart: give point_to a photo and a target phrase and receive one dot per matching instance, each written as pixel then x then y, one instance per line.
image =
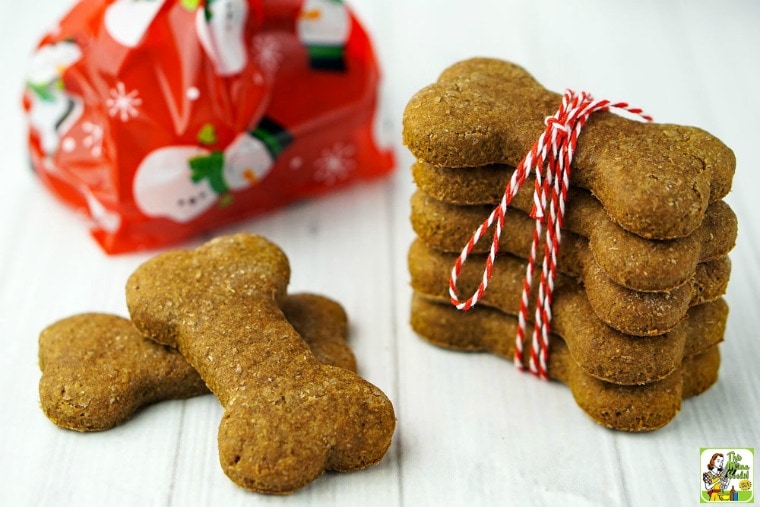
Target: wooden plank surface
pixel 471 430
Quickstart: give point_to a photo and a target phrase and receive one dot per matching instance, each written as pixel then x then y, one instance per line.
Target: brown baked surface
pixel 287 417
pixel 655 180
pixel 644 407
pixel 98 370
pixel 601 350
pixel 628 311
pixel 630 260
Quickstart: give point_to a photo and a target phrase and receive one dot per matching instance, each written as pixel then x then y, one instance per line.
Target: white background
pixel 471 430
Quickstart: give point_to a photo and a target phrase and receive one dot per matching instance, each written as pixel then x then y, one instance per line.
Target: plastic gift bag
pixel 161 119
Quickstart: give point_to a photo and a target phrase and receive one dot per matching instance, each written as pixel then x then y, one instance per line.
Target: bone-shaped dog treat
pixel 657 312
pixel 287 417
pixel 622 407
pixel 98 370
pixel 630 311
pixel 628 259
pixel 599 349
pixel 655 180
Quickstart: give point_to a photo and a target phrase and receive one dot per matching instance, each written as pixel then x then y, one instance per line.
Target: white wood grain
pixel 471 430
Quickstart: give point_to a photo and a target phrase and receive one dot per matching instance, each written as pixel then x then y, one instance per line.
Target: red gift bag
pixel 160 119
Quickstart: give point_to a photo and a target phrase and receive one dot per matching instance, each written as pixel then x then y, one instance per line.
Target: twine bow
pixel 549 159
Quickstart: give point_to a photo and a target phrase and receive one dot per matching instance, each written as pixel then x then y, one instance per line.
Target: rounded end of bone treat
pixel 78 372
pixel 365 430
pixel 463 121
pixel 640 264
pixel 647 175
pixel 630 408
pixel 487 66
pixel 718 231
pixel 290 432
pixel 632 312
pixel 261 451
pixel 717 158
pixel 439 128
pixel 78 408
pixel 176 289
pixel 98 370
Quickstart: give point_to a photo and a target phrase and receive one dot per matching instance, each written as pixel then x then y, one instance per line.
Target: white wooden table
pixel 471 430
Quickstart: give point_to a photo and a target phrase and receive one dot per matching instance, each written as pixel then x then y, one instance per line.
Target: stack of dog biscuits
pixel 637 308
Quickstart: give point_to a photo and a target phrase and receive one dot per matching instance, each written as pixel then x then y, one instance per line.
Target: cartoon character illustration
pixel 163 185
pixel 247 162
pixel 182 182
pixel 220 26
pixel 323 26
pixel 128 20
pixel 53 111
pixel 716 482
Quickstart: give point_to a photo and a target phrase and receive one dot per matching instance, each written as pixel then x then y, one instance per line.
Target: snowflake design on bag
pixel 335 163
pixel 268 53
pixel 123 103
pixel 94 138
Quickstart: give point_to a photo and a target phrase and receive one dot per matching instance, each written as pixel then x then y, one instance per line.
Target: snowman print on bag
pixel 182 182
pixel 220 26
pixel 127 21
pixel 53 110
pixel 323 27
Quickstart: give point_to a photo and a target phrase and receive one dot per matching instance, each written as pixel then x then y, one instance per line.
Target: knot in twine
pixel 549 159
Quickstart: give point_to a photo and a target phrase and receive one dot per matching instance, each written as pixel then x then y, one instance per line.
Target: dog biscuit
pixel 98 370
pixel 287 417
pixel 599 349
pixel 655 180
pixel 445 228
pixel 628 259
pixel 622 407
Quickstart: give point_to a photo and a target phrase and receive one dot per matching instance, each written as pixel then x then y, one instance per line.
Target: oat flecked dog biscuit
pixel 633 262
pixel 655 180
pixel 630 312
pixel 443 227
pixel 623 407
pixel 599 349
pixel 287 417
pixel 628 259
pixel 98 370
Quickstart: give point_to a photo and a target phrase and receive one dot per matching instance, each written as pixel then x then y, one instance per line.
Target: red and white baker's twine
pixel 549 159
